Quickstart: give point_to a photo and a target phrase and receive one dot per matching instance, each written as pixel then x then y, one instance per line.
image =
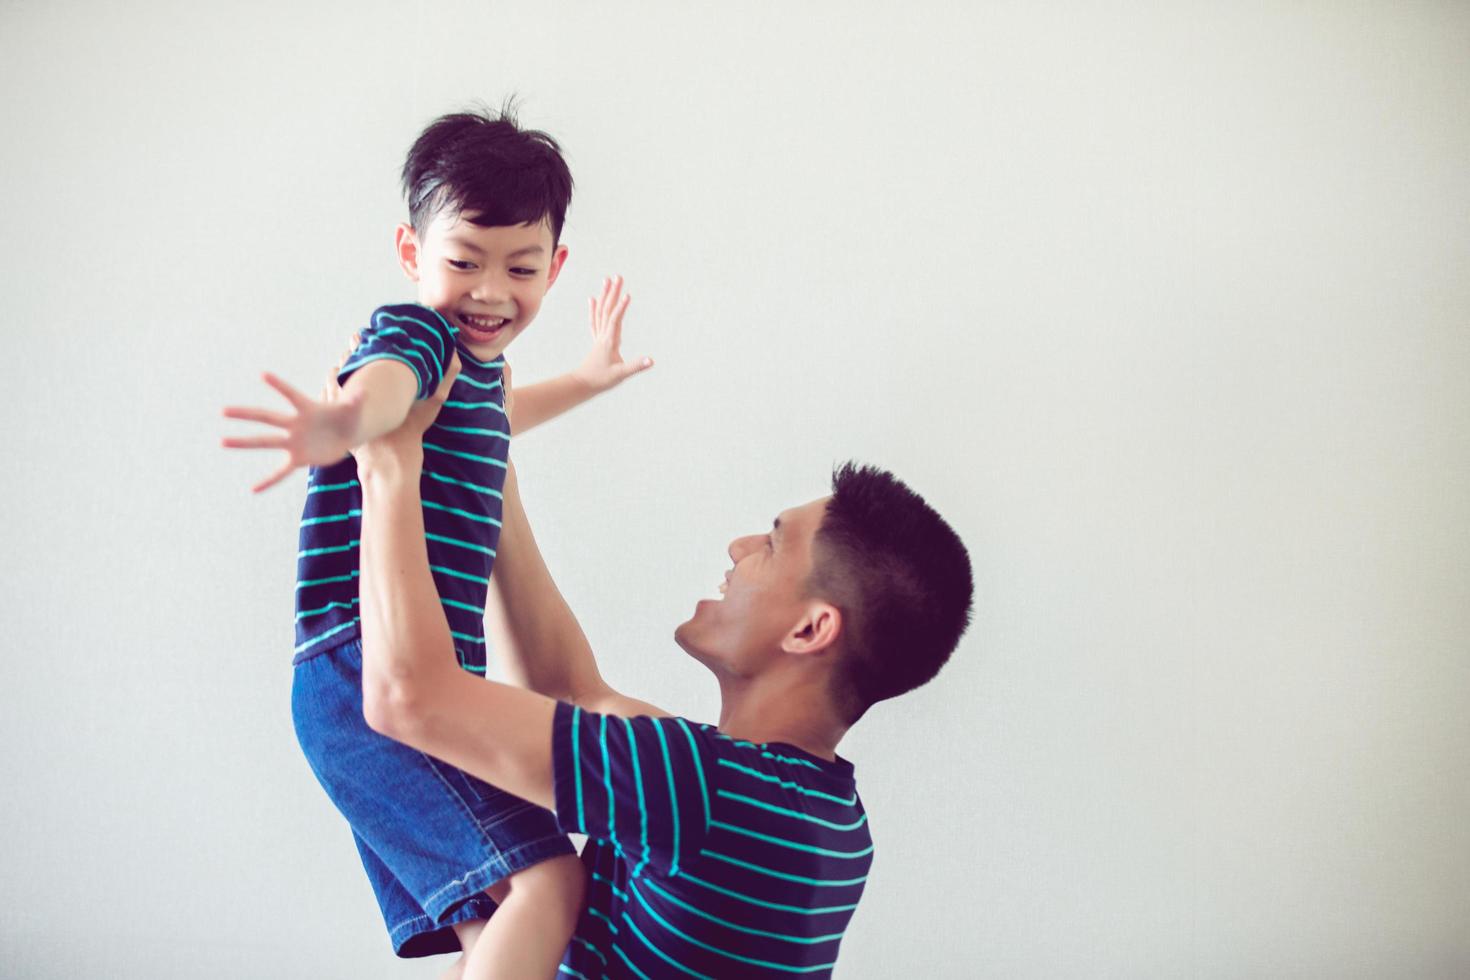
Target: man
pixel 737 850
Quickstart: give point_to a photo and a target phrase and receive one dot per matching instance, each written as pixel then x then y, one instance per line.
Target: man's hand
pixel 604 367
pixel 318 433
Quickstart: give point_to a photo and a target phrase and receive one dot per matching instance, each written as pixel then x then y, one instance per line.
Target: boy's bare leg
pixel 469 931
pixel 529 932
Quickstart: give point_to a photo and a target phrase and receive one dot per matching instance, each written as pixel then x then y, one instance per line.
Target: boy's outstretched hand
pixel 318 433
pixel 604 367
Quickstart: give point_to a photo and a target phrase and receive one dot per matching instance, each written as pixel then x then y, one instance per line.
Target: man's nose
pixel 739 548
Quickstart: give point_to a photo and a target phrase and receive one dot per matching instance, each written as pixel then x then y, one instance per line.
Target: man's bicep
pixel 496 732
pixel 606 701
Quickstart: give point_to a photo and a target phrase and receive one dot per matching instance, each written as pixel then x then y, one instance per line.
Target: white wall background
pixel 1164 305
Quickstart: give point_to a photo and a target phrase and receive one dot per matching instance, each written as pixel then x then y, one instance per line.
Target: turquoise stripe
pixel 673 800
pixel 324 581
pixel 461 513
pixel 454 452
pixel 329 633
pixel 499 361
pixel 786 784
pixel 463 605
pixel 768 964
pixel 331 518
pixel 611 887
pixel 764 904
pixel 357 363
pixel 395 318
pixel 803 940
pixel 476 640
pixel 822 882
pixel 563 968
pixel 752 801
pixel 783 842
pixel 495 405
pixel 324 487
pixel 328 551
pixel 461 483
pixel 460 544
pixel 612 809
pixel 698 769
pixel 604 918
pixel 595 951
pixel 457 574
pixel 577 766
pixel 642 806
pixel 660 953
pixel 494 433
pixel 438 356
pixel 491 386
pixel 761 748
pixel 307 614
pixel 640 974
pixel 471 668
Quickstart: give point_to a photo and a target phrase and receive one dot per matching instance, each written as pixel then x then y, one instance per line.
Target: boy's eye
pixel 460 264
pixel 524 272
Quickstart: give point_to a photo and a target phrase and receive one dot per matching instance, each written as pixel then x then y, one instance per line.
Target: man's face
pixel 488 282
pixel 763 596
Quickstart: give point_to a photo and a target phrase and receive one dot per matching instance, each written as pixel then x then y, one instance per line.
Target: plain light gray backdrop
pixel 1164 305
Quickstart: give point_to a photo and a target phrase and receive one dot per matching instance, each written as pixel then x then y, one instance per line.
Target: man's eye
pixel 461 265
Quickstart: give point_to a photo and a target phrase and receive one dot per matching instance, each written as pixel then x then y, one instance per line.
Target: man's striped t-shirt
pixel 707 856
pixel 465 454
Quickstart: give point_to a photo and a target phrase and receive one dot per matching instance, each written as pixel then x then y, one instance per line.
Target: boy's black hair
pixel 901 578
pixel 482 163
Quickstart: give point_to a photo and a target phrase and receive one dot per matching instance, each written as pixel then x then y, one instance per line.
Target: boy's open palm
pixel 317 433
pixel 604 367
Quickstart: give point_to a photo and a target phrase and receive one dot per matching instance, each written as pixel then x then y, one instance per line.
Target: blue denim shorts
pixel 431 838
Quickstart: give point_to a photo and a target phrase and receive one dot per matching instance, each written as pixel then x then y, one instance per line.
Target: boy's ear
pixel 407 245
pixel 558 259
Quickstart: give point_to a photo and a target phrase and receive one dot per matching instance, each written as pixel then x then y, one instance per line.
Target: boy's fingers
pixel 273 479
pixel 290 394
pixel 631 368
pixel 258 415
pixel 254 442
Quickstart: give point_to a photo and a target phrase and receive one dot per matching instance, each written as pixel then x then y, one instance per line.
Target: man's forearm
pixel 539 640
pixel 406 639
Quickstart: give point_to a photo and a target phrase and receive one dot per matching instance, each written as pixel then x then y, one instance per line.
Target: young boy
pixel 442 849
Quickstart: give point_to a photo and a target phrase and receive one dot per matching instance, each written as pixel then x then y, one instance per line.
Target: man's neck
pixel 785 715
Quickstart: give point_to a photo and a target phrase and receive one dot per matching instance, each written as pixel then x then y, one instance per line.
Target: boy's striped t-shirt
pixel 707 856
pixel 465 453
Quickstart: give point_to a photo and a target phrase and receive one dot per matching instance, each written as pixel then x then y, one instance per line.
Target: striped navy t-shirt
pixel 464 473
pixel 707 856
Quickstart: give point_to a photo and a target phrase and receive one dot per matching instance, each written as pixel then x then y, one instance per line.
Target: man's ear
pixel 558 259
pixel 816 632
pixel 407 245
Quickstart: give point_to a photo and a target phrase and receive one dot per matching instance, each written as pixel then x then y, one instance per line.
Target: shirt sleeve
pixel 415 335
pixel 638 783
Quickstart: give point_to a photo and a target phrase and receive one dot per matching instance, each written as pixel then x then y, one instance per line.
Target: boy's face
pixel 488 282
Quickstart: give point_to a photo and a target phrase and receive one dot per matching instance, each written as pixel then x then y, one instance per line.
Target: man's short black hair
pixel 901 578
pixel 482 163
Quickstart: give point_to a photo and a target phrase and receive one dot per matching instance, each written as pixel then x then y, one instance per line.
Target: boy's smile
pixel 486 281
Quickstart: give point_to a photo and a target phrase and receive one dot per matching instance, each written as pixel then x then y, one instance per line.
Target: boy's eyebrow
pixel 466 243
